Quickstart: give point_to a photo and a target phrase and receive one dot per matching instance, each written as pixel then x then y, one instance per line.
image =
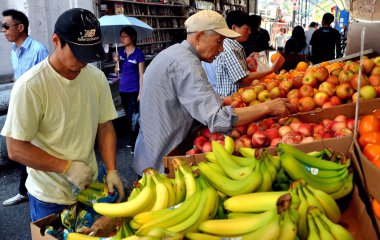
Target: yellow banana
pixel 217 168
pixel 329 205
pixel 176 216
pixel 302 211
pixel 244 161
pixel 229 144
pixel 228 186
pixel 189 178
pixel 210 156
pixel 337 230
pixel 134 225
pixel 313 232
pixel 135 191
pixel 237 226
pixel 296 170
pixel 247 152
pixel 288 227
pixel 162 195
pixel 144 217
pixel 129 208
pixel 169 187
pixel 266 184
pixel 310 199
pixel 142 181
pixel 253 202
pixel 271 168
pixel 345 189
pixel 162 233
pixel 201 236
pixel 79 236
pixel 241 214
pixel 231 169
pixel 179 186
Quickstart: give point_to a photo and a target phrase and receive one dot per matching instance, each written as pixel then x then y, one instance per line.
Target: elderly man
pixel 176 91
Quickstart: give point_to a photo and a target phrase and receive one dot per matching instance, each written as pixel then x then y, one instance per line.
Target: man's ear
pixel 55 40
pixel 198 36
pixel 21 27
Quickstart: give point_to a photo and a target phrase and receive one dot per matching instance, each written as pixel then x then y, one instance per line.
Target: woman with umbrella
pixel 132 65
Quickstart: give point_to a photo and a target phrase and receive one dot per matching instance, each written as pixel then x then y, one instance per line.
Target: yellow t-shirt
pixel 61 117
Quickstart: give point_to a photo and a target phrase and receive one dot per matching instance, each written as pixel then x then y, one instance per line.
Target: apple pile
pixel 268 133
pixel 323 86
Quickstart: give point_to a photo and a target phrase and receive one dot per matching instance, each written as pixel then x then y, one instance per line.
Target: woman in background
pixel 132 65
pixel 298 34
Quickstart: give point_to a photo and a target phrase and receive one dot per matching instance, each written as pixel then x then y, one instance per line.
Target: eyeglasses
pixel 7 26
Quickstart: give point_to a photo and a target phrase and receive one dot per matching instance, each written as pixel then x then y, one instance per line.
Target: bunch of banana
pixel 153 192
pixel 330 177
pixel 184 181
pixel 312 197
pixel 186 217
pixel 279 222
pixel 321 227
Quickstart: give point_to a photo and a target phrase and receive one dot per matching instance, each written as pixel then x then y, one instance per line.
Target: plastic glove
pixel 113 181
pixel 79 174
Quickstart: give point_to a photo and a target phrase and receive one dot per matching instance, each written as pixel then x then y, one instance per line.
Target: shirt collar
pixel 25 44
pixel 187 45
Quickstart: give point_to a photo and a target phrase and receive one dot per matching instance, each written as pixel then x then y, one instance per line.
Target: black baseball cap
pixel 81 30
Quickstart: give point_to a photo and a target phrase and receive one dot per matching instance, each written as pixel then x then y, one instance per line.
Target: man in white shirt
pixel 308 33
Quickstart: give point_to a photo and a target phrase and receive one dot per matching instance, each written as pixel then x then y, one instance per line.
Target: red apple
pixel 328 104
pixel 272 84
pixel 285 86
pixel 368 65
pixel 375 70
pixel 355 79
pixel 269 122
pixel 205 132
pixel 321 98
pixel 292 94
pixel 237 103
pixel 295 125
pixel 199 141
pixel 284 130
pixel 335 100
pixel 272 133
pixel 227 100
pixel 292 138
pixel 309 79
pixel 344 91
pixel 275 93
pixel 275 141
pixel 263 126
pixel 306 104
pixel 327 134
pixel 321 74
pixel 294 104
pixel 239 143
pixel 296 81
pixel 342 132
pixel 318 129
pixel 235 134
pixel 306 91
pixel 368 92
pixel 338 125
pixel 246 140
pixel 207 147
pixel 333 80
pixel 305 130
pixel 216 136
pixel 326 122
pixel 258 88
pixel 327 88
pixel 259 139
pixel 374 80
pixel 307 140
pixel 317 137
pixel 340 118
pixel 354 67
pixel 345 76
pixel 252 128
pixel 351 124
pixel 193 151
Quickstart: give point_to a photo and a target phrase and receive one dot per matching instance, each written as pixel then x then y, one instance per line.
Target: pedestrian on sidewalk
pixel 25 53
pixel 68 105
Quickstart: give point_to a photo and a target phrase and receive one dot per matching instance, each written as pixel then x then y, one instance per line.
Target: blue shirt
pixel 129 69
pixel 30 53
pixel 175 92
pixel 210 72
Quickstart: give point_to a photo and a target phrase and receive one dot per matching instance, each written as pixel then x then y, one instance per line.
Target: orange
pixel 302 66
pixel 376 208
pixel 274 57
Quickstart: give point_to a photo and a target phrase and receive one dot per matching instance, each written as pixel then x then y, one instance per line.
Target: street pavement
pixel 15 220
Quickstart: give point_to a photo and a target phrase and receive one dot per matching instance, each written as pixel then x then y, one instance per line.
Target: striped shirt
pixel 30 53
pixel 231 67
pixel 175 91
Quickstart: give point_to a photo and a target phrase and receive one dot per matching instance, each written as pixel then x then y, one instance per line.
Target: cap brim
pixel 227 32
pixel 88 54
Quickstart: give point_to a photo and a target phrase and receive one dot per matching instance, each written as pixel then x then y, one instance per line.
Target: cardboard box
pixel 37 228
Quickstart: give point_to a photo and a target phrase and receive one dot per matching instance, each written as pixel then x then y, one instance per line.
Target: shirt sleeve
pixel 141 57
pixel 197 96
pixel 235 67
pixel 42 54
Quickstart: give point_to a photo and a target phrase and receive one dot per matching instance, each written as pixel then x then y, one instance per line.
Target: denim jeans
pixel 40 209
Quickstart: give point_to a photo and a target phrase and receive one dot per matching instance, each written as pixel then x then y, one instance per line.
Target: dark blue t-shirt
pixel 129 69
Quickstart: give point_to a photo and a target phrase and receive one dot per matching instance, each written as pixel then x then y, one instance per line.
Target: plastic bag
pixel 258 62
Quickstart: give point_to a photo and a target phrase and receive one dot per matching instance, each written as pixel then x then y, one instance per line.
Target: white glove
pixel 79 174
pixel 113 181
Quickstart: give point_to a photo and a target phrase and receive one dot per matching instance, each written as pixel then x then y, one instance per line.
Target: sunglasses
pixel 7 26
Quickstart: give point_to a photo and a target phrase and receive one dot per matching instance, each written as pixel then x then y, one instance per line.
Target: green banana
pixel 210 156
pixel 248 152
pixel 296 170
pixel 253 202
pixel 302 211
pixel 275 160
pixel 189 178
pixel 162 194
pixel 337 230
pixel 345 189
pixel 176 216
pixel 179 186
pixel 324 230
pixel 244 161
pixel 271 168
pixel 229 144
pixel 288 226
pixel 329 205
pixel 201 236
pixel 310 199
pixel 267 182
pixel 228 186
pixel 237 226
pixel 216 167
pixel 129 208
pixel 313 232
pixel 306 159
pixel 231 169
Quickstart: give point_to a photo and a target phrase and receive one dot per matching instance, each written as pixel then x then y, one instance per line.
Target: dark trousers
pixel 23 175
pixel 130 104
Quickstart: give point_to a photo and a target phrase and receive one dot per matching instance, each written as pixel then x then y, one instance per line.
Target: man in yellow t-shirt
pixel 56 111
